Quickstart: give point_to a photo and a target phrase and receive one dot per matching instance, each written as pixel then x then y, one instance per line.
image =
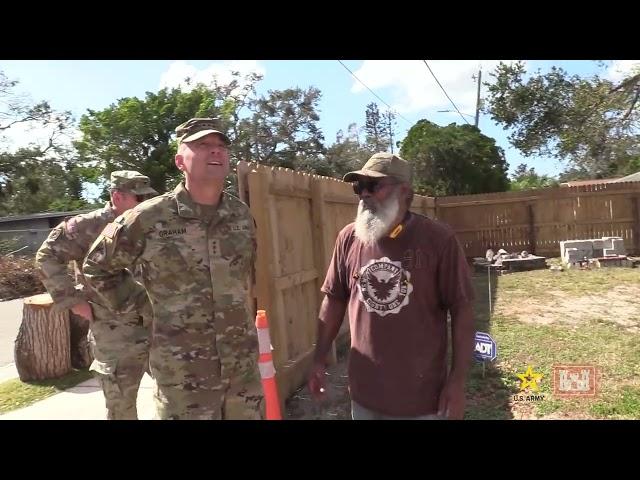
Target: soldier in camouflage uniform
pixel 119 340
pixel 197 245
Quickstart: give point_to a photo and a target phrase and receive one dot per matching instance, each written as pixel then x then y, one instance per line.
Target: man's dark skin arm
pixel 452 397
pixel 330 319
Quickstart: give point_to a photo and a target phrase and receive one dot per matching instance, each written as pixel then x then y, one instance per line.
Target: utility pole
pixel 390 130
pixel 478 97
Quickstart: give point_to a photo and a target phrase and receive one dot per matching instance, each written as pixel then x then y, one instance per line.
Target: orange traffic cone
pixel 267 370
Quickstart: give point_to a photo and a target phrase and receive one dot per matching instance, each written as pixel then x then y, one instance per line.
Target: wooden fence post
pixel 636 224
pixel 319 219
pixel 532 229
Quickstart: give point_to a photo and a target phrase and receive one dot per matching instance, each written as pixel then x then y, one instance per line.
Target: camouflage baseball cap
pixel 131 181
pixel 197 128
pixel 382 165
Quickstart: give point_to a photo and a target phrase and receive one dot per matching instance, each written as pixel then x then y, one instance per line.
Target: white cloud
pixel 413 88
pixel 619 69
pixel 180 70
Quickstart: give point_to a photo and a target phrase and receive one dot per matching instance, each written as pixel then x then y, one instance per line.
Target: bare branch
pixel 633 104
pixel 631 81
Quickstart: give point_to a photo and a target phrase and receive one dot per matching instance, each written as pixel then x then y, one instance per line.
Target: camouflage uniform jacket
pixel 197 267
pixel 70 241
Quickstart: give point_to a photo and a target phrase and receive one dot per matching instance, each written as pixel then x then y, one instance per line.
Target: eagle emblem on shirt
pixel 384 287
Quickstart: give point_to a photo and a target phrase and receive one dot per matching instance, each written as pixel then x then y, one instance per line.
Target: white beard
pixel 371 226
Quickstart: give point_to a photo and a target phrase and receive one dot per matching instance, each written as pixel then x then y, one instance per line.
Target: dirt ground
pixel 624 300
pixel 337 404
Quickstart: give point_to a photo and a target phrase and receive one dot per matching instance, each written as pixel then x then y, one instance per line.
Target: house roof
pixel 595 181
pixel 634 177
pixel 34 216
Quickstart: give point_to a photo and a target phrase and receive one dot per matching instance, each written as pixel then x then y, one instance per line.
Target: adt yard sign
pixel 485 347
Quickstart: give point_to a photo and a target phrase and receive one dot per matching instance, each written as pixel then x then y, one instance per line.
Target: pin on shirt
pixel 396 231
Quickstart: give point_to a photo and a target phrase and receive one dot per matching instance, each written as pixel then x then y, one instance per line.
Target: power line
pixel 445 92
pixel 389 106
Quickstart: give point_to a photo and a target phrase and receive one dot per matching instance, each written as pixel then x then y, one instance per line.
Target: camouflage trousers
pixel 120 347
pixel 175 403
pixel 200 375
pixel 79 337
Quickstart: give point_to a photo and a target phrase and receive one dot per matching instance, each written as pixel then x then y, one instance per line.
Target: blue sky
pixel 406 85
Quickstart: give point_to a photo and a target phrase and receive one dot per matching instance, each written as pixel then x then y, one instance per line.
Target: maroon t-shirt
pixel 398 292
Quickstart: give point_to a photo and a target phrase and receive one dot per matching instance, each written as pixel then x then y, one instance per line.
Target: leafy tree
pixel 589 122
pixel 376 134
pixel 454 160
pixel 526 179
pixel 36 178
pixel 389 120
pixel 379 128
pixel 139 134
pixel 40 184
pixel 282 129
pixel 347 153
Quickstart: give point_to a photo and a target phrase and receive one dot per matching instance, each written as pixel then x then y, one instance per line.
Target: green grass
pixel 597 341
pixel 624 405
pixel 537 283
pixel 15 394
pixel 488 396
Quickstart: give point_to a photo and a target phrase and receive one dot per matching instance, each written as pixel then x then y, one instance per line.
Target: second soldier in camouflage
pixel 119 341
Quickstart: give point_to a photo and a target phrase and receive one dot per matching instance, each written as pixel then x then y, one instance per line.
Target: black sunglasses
pixel 370 185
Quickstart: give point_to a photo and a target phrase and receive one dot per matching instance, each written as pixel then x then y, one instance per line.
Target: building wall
pixel 29 232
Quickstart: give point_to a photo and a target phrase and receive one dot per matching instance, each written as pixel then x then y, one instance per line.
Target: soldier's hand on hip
pixel 83 309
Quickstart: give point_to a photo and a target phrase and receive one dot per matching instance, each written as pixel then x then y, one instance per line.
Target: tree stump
pixel 42 347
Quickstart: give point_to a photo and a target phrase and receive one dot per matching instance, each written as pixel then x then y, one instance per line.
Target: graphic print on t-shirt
pixel 384 286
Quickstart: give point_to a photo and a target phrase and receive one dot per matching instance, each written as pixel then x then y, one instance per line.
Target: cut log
pixel 42 347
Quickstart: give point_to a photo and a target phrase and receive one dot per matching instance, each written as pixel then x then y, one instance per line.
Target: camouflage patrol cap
pixel 131 181
pixel 197 128
pixel 383 165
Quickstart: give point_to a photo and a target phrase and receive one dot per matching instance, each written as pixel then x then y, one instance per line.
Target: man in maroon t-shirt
pixel 398 273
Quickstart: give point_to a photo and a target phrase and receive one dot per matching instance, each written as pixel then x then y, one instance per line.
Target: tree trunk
pixel 42 348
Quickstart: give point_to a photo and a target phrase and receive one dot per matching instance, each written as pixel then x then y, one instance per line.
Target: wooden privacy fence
pixel 537 220
pixel 298 218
